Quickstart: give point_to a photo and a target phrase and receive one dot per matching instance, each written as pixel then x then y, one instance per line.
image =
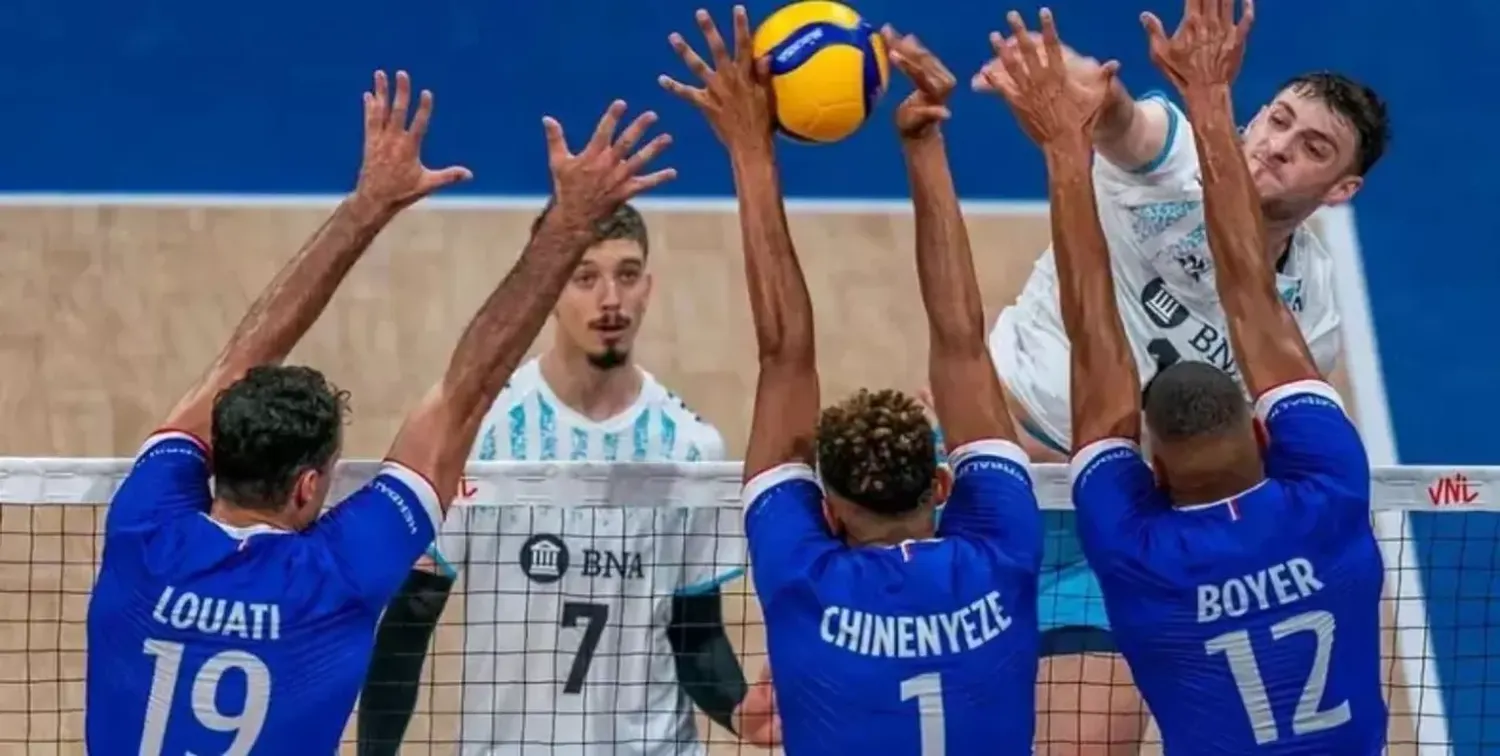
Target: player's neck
pixel 1217 486
pixel 1279 233
pixel 591 392
pixel 226 513
pixel 872 531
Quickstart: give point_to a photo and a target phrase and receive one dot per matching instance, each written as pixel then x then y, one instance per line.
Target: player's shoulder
pixel 507 411
pixel 789 479
pixel 525 382
pixel 704 442
pixel 1305 396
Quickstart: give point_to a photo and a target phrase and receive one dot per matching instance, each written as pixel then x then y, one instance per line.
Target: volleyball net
pixel 639 530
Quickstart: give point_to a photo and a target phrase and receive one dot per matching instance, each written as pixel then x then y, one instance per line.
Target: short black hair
pixel 1193 399
pixel 876 450
pixel 268 428
pixel 624 223
pixel 1356 103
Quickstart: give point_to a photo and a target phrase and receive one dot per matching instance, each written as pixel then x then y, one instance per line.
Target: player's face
pixel 1301 154
pixel 602 306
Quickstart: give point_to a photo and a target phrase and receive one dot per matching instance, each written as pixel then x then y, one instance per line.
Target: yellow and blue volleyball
pixel 828 69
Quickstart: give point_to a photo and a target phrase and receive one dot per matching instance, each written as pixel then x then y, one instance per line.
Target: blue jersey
pixel 917 649
pixel 1252 625
pixel 210 639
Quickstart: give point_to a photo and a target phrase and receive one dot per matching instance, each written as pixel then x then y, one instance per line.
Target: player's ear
pixel 1261 439
pixel 831 517
pixel 942 484
pixel 1343 190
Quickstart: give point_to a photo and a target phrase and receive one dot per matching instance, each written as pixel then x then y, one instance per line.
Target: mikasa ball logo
pixel 544 558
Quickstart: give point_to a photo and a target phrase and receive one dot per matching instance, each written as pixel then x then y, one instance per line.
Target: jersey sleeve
pixel 1112 486
pixel 169 478
pixel 993 499
pixel 715 546
pixel 451 547
pixel 1325 341
pixel 784 526
pixel 1177 159
pixel 1311 445
pixel 375 534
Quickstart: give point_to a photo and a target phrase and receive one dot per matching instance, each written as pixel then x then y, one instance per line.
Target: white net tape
pixel 92 481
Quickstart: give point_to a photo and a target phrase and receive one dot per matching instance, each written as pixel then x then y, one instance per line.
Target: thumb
pixel 447 177
pixel 1154 31
pixel 1109 71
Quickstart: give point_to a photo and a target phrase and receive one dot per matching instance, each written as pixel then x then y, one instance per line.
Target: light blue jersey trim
pixel 447 568
pixel 707 586
pixel 1166 147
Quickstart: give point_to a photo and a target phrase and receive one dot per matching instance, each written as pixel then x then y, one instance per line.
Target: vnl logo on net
pixel 1455 490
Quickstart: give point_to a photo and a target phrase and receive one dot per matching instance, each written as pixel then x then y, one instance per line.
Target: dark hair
pixel 624 223
pixel 875 449
pixel 271 426
pixel 1356 103
pixel 1191 399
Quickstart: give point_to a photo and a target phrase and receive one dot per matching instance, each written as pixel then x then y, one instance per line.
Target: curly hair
pixel 876 450
pixel 270 426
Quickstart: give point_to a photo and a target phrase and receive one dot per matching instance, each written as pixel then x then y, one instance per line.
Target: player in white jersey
pixel 1309 147
pixel 622 626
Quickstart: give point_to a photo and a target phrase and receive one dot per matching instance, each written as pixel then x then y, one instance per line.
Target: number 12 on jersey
pixel 1307 718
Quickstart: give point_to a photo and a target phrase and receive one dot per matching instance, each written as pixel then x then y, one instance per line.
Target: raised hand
pixel 1208 46
pixel 1050 102
pixel 392 173
pixel 593 182
pixel 736 93
pixel 921 112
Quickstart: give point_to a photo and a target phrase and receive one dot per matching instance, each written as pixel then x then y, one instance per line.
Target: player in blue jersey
pixel 1243 585
pixel 885 636
pixel 235 620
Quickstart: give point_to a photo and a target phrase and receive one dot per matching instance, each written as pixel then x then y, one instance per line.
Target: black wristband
pixel 390 692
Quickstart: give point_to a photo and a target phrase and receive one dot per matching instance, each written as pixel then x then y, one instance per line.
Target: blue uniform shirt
pixel 909 649
pixel 209 639
pixel 1252 625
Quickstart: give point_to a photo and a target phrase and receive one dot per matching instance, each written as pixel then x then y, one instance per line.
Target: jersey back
pixel 1252 624
pixel 206 638
pixel 568 578
pixel 921 648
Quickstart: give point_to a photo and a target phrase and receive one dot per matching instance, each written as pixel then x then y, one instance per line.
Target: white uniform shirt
pixel 567 601
pixel 1164 280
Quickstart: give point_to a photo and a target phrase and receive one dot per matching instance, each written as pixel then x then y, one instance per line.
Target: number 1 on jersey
pixel 928 690
pixel 1307 719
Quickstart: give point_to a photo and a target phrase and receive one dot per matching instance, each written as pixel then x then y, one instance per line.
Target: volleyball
pixel 828 69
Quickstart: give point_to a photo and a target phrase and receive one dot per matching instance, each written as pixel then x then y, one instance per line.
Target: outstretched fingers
pixel 633 133
pixel 557 143
pixel 420 121
pixel 716 49
pixel 742 43
pixel 1051 42
pixel 690 57
pixel 604 131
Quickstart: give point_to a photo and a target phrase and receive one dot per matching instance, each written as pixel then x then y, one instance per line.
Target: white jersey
pixel 1164 280
pixel 569 579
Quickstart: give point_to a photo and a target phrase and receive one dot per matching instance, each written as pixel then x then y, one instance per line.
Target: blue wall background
pixel 176 96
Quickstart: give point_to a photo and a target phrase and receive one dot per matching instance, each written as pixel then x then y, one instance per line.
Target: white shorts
pixel 1033 362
